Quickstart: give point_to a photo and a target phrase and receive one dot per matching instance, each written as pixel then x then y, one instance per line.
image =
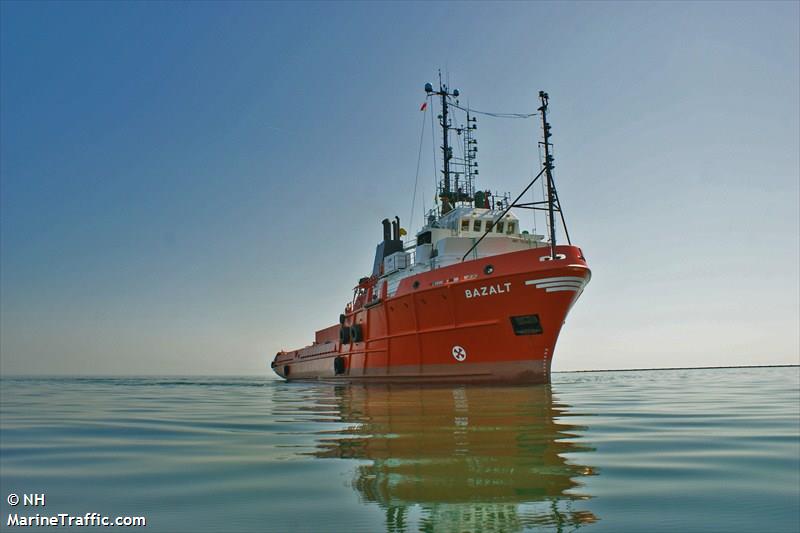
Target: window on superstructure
pixel 464 224
pixel 511 228
pixel 476 226
pixel 500 227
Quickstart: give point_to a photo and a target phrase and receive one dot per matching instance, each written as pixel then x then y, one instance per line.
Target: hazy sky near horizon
pixel 186 188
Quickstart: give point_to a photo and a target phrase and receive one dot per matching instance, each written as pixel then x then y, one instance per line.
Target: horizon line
pixel 2 375
pixel 677 368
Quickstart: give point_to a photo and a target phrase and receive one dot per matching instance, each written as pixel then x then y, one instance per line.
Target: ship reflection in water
pixel 462 458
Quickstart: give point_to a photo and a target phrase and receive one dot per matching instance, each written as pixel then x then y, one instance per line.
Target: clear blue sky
pixel 189 187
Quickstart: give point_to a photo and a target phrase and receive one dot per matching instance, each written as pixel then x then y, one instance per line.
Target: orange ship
pixel 473 299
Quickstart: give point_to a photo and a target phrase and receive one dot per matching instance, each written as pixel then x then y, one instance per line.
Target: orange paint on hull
pixel 452 324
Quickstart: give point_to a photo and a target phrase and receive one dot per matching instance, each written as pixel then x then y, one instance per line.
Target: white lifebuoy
pixel 459 353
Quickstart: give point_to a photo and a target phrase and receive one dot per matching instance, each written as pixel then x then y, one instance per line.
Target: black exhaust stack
pixel 386 229
pixel 391 244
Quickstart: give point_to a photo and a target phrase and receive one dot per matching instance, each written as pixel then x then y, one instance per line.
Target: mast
pixel 445 148
pixel 548 167
pixel 447 151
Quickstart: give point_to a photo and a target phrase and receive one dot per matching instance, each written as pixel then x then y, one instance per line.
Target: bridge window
pixel 500 227
pixel 511 228
pixel 476 226
pixel 464 224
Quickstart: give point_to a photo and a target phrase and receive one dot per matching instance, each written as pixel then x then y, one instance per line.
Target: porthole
pixel 415 284
pixel 488 269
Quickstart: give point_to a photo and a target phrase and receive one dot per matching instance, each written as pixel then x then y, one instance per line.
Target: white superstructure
pixel 446 240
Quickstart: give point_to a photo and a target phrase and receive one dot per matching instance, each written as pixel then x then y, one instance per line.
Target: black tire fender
pixel 356 333
pixel 339 365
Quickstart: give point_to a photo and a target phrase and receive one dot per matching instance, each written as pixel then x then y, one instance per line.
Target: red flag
pixel 424 106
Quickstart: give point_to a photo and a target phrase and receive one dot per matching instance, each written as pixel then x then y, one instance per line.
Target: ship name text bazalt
pixel 489 290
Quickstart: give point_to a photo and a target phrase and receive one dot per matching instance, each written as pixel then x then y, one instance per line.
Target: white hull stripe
pixel 550 280
pixel 562 283
pixel 559 284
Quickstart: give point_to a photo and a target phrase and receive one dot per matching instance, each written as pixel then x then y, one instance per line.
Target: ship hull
pixel 494 319
pixel 532 372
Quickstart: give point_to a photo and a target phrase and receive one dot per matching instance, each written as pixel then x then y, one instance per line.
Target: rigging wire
pixel 495 115
pixel 533 194
pixel 416 178
pixel 424 203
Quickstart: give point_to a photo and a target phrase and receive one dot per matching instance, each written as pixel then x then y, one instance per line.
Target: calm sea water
pixel 683 450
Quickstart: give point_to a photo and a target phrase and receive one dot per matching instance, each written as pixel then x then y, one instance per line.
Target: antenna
pixel 548 168
pixel 446 193
pixel 470 154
